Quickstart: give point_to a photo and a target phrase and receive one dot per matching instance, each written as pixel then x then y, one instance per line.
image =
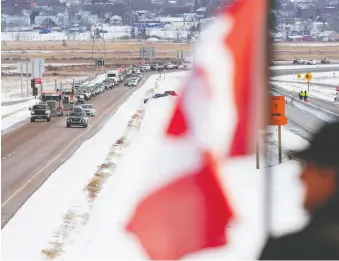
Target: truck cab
pixel 54 100
pixel 115 75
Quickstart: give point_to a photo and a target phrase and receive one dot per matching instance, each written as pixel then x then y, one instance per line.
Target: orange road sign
pixel 277 114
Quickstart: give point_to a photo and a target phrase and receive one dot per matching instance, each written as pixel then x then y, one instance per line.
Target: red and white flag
pixel 216 118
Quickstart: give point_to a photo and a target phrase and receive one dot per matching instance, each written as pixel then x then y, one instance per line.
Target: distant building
pixel 22 4
pixel 115 20
pixel 16 21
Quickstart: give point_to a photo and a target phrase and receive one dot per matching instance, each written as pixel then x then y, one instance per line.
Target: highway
pixel 31 152
pixel 292 70
pixel 327 105
pixel 280 63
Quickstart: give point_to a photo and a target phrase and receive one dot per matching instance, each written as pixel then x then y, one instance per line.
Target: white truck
pixel 115 75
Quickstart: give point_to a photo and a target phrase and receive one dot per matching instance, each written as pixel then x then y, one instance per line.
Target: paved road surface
pixel 292 70
pixel 302 123
pixel 38 149
pixel 327 105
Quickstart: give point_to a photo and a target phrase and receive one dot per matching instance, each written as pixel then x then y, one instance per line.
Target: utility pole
pixel 27 79
pixel 22 90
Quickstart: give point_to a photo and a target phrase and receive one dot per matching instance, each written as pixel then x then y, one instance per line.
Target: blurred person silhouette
pixel 320 176
pixel 305 96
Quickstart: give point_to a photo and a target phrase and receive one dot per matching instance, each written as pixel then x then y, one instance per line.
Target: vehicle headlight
pixel 32 112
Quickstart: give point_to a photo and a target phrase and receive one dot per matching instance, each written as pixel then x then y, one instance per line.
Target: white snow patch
pixel 323 92
pixel 32 227
pixel 104 237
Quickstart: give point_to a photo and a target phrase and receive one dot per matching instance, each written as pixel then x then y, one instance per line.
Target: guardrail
pixel 317 111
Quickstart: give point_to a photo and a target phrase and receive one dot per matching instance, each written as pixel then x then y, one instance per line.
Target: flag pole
pixel 268 173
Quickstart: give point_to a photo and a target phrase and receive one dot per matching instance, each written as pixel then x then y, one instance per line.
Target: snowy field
pixel 325 92
pixel 67 219
pixel 114 32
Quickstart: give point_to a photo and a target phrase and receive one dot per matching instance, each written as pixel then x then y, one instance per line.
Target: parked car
pixel 326 60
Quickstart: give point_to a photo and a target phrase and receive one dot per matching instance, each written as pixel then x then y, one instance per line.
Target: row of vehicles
pixel 311 62
pixel 71 99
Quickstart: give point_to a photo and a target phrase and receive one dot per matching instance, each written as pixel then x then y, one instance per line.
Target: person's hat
pixel 324 147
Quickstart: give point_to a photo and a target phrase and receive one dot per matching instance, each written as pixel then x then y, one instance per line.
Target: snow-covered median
pixel 81 211
pixel 105 238
pixel 45 225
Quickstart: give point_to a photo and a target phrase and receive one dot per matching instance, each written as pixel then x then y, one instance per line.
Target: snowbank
pixel 10 109
pixel 102 236
pixel 330 77
pixel 326 92
pixel 35 224
pixel 105 238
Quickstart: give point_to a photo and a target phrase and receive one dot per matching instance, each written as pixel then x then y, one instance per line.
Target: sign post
pixel 22 90
pixel 257 155
pixel 278 118
pixel 308 78
pixel 147 52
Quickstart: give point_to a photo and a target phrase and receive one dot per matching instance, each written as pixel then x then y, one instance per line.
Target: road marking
pixel 123 98
pixel 40 171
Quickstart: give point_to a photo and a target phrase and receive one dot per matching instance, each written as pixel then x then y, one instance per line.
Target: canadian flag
pixel 216 118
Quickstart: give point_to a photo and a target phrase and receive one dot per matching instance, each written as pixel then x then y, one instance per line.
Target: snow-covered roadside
pixel 60 219
pixel 322 92
pixel 330 77
pixel 11 109
pixel 106 239
pixel 66 193
pixel 298 67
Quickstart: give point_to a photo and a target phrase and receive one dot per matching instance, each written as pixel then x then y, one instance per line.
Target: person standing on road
pixel 305 96
pixel 301 95
pixel 319 240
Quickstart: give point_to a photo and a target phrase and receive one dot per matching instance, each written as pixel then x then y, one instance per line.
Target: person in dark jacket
pixel 319 240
